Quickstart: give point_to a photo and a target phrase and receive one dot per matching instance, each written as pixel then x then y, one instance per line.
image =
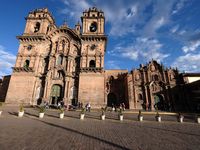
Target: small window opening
pixel 92 63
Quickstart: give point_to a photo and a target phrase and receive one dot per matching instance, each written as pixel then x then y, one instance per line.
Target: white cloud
pixel 142 48
pixel 192 46
pixel 179 6
pixel 150 49
pixel 125 17
pixel 7 60
pixel 188 63
pixel 129 17
pixel 130 54
pixel 74 8
pixel 182 32
pixel 161 15
pixel 174 29
pixel 159 22
pixel 111 64
pixel 122 18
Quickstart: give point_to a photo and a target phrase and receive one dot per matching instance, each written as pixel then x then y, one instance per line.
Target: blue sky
pixel 138 30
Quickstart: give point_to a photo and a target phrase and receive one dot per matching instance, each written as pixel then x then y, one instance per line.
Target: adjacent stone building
pixel 151 87
pixel 62 64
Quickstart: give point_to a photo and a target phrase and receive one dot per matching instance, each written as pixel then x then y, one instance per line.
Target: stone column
pixel 68 91
pixel 65 99
pixel 134 97
pixel 152 99
pixel 36 83
pixel 63 62
pixel 145 78
pixel 68 65
pixel 164 76
pixel 146 95
pixel 100 61
pixel 45 90
pixel 87 62
pixel 36 65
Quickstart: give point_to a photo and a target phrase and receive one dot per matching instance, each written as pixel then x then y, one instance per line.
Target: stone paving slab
pixel 32 133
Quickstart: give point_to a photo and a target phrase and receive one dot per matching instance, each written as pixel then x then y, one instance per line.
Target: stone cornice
pixel 22 69
pixel 94 37
pixel 32 37
pixel 91 69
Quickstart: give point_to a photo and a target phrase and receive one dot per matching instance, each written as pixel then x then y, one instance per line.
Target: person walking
pixel 89 107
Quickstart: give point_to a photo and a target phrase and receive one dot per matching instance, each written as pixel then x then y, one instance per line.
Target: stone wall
pixel 91 89
pixel 21 89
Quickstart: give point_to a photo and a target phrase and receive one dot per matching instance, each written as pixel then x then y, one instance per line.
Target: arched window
pixel 93 27
pixel 48 28
pixel 92 64
pixel 26 63
pixel 171 76
pixel 155 77
pixel 63 45
pixel 137 77
pixel 58 74
pixel 111 79
pixel 140 97
pixel 37 27
pixel 59 60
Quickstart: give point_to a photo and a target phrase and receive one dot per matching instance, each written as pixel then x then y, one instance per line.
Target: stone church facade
pixel 61 64
pixel 58 63
pixel 152 87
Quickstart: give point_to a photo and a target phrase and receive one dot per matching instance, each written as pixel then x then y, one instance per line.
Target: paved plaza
pixel 30 132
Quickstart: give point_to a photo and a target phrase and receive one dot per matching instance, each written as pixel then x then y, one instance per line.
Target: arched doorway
pixel 56 94
pixel 159 102
pixel 73 95
pixel 38 95
pixel 140 102
pixel 111 100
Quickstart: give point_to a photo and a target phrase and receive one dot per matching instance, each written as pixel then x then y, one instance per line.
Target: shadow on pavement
pixel 92 116
pixel 70 116
pixel 169 130
pixel 13 113
pixel 33 115
pixel 83 134
pixel 51 115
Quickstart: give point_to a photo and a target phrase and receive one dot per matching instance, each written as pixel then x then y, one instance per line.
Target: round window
pixel 93 47
pixel 29 47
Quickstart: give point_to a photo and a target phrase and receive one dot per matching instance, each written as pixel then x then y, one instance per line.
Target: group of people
pixel 60 104
pixel 121 106
pixel 87 106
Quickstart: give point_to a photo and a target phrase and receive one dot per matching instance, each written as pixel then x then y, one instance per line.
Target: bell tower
pixel 39 21
pixel 91 80
pixel 93 22
pixel 31 62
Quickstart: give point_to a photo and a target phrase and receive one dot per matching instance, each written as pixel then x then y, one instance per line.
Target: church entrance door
pixel 55 94
pixel 111 100
pixel 159 102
